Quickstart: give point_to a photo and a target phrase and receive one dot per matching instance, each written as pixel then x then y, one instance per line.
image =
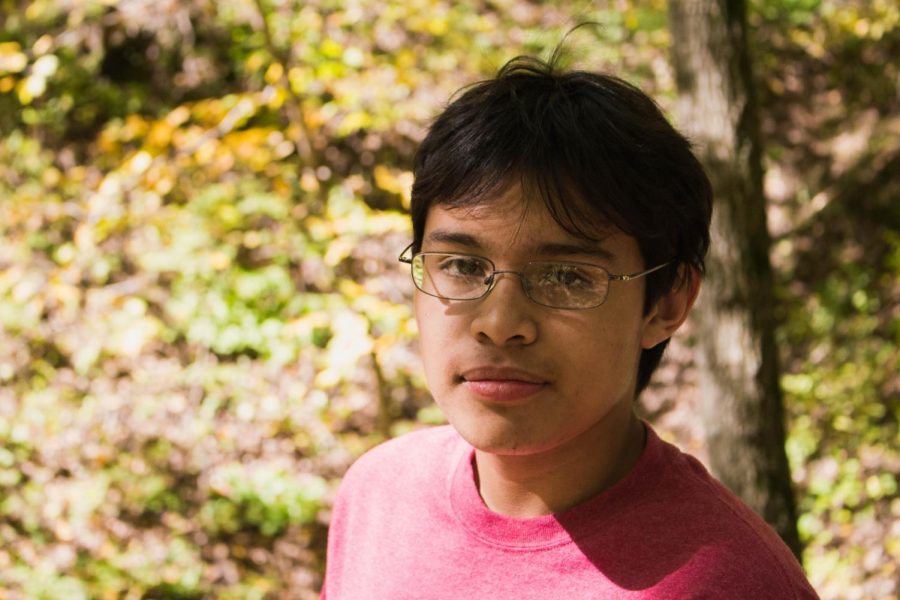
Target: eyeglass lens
pixel 462 277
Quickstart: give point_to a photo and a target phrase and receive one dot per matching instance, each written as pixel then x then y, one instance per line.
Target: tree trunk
pixel 741 400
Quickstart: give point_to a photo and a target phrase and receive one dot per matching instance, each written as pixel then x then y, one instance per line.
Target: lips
pixel 502 384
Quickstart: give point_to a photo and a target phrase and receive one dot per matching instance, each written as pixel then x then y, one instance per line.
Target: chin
pixel 503 439
pixel 505 432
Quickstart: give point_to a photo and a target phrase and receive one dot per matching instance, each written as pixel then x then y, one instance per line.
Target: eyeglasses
pixel 567 285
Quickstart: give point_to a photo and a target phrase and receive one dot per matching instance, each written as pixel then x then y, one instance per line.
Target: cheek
pixel 428 323
pixel 438 337
pixel 609 351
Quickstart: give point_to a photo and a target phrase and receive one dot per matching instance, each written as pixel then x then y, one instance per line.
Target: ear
pixel 671 309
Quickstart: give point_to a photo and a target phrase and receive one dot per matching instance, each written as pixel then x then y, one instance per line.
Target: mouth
pixel 502 384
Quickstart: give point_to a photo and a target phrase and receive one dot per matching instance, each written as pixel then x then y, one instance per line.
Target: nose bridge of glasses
pixel 491 280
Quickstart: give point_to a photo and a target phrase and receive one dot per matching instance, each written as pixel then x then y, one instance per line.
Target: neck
pixel 553 481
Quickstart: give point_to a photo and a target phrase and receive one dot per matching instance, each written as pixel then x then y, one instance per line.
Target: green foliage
pixel 837 258
pixel 265 496
pixel 847 383
pixel 199 296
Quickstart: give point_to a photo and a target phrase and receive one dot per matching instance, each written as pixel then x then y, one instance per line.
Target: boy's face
pixel 515 377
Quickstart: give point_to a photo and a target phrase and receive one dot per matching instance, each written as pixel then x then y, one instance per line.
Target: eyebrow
pixel 574 249
pixel 453 237
pixel 546 249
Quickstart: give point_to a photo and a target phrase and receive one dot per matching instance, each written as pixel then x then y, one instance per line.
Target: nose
pixel 505 316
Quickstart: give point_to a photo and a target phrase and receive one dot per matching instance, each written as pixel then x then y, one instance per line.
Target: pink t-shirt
pixel 409 523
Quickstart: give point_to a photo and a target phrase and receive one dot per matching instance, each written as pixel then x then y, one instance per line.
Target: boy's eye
pixel 462 266
pixel 567 276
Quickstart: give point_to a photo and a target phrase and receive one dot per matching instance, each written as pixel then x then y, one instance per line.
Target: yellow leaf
pixel 437 25
pixel 350 343
pixel 139 163
pixel 45 66
pixel 406 59
pixel 160 135
pixel 178 116
pixel 331 49
pixel 11 59
pixel 205 152
pixel 351 289
pixel 275 97
pixel 10 48
pixel 354 57
pixel 136 126
pixel 631 20
pixel 51 177
pixel 384 179
pixel 255 62
pixel 297 80
pixel 219 260
pixel 338 250
pixel 31 88
pixel 43 45
pixel 309 182
pixel 274 73
pixel 353 121
pixel 387 222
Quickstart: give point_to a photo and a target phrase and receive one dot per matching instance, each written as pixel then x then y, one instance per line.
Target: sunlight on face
pixel 515 377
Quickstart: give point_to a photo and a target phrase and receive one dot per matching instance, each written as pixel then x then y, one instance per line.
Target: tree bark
pixel 742 407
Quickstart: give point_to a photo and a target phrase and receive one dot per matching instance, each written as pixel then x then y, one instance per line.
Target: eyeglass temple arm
pixel 640 274
pixel 403 258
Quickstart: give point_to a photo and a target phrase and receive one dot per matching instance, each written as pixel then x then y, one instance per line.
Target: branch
pixel 305 151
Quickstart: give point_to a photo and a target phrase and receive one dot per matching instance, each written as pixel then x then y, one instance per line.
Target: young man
pixel 560 225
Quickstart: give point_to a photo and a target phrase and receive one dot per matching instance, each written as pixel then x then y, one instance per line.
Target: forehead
pixel 514 222
pixel 515 204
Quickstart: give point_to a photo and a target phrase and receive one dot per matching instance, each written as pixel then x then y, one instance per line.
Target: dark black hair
pixel 594 148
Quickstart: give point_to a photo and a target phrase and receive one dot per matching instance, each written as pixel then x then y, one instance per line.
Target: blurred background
pixel 203 321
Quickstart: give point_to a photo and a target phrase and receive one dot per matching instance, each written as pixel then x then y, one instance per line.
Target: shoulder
pixel 408 458
pixel 413 448
pixel 733 547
